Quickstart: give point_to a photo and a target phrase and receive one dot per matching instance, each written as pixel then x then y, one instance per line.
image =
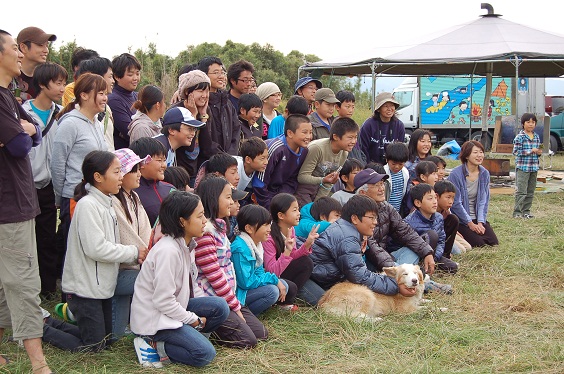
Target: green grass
pixel 506 316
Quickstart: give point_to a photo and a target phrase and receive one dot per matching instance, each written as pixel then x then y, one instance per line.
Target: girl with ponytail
pixel 146 122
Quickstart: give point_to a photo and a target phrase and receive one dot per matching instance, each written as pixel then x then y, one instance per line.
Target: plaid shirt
pixel 525 160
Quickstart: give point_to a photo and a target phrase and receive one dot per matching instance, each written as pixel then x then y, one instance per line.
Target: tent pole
pixel 373 68
pixel 485 108
pixel 516 86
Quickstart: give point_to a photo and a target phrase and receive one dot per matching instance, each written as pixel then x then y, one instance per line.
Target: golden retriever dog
pixel 355 300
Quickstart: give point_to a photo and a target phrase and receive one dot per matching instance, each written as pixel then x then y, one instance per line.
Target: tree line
pixel 270 66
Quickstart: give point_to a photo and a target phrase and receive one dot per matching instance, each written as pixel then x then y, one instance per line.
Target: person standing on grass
pixel 526 149
pixel 472 182
pixel 19 271
pixel 167 310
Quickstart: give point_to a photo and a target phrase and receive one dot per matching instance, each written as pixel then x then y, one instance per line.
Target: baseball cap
pixel 238 194
pixel 383 98
pixel 368 176
pixel 305 80
pixel 327 95
pixel 35 35
pixel 128 159
pixel 181 115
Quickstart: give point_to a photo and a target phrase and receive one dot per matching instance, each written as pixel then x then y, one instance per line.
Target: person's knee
pixel 272 293
pixel 202 356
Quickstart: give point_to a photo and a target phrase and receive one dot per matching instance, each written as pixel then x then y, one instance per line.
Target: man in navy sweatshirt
pixel 286 154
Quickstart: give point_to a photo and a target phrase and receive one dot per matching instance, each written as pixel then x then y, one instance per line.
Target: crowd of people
pixel 182 221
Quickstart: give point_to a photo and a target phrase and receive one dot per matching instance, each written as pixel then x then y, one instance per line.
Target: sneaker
pixel 432 286
pixel 146 353
pixel 288 307
pixel 528 216
pixel 65 313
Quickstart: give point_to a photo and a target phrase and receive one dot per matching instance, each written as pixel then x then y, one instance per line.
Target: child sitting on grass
pixel 321 212
pixel 346 178
pixel 455 243
pixel 425 220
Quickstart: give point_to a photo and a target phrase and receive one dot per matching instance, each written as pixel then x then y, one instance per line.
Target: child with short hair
pixel 178 177
pixel 222 164
pixel 526 149
pixel 286 155
pixel 425 220
pixel 323 212
pixel 295 105
pixel 455 243
pixel 250 111
pixel 441 166
pixel 320 169
pixel 425 172
pixel 396 157
pixel 257 288
pixel 346 176
pixel 253 160
pixel 152 189
pixel 345 106
pixel 323 117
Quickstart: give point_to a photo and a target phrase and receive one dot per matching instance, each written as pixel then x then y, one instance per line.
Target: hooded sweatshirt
pixel 76 137
pixel 142 126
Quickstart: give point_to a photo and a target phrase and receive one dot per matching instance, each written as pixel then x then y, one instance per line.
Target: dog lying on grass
pixel 355 300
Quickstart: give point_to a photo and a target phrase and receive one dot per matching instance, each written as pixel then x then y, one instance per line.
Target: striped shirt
pixel 396 195
pixel 525 159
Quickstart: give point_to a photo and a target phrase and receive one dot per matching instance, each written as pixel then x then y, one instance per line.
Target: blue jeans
pixel 261 298
pixel 405 255
pixel 311 292
pixel 187 346
pixel 121 301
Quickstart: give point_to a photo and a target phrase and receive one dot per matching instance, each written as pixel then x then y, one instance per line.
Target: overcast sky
pixel 326 29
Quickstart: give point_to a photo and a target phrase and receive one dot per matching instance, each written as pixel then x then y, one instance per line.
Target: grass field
pixel 506 316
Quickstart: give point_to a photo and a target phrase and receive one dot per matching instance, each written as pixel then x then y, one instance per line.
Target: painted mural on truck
pixel 459 101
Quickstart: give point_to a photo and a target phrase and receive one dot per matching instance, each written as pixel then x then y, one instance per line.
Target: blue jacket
pixel 337 257
pixel 422 224
pixel 247 275
pixel 307 222
pixel 461 205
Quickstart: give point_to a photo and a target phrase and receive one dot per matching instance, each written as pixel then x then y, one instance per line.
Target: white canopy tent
pixel 487 46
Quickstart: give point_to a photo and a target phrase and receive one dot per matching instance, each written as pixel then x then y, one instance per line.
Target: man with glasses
pixel 391 227
pixel 240 78
pixel 224 124
pixel 34 45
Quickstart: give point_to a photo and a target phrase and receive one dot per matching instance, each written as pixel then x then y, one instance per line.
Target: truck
pixel 450 107
pixel 555 109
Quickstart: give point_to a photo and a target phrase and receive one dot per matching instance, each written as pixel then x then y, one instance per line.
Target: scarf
pixel 256 250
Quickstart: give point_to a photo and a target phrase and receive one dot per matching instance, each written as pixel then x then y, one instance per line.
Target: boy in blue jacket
pixel 425 220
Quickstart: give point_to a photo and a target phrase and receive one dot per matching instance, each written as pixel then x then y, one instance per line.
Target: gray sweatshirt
pixel 40 156
pixel 76 137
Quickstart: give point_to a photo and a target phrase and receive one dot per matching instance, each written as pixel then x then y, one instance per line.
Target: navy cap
pixel 368 176
pixel 305 80
pixel 181 115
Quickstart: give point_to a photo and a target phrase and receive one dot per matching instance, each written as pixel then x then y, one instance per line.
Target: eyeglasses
pixel 218 72
pixel 246 80
pixel 373 218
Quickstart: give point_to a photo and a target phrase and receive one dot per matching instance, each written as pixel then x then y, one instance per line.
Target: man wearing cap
pixel 34 45
pixel 381 129
pixel 390 225
pixel 19 271
pixel 306 87
pixel 322 118
pixel 179 129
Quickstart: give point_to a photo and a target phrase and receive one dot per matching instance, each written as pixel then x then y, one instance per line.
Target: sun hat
pixel 368 176
pixel 327 95
pixel 35 35
pixel 384 97
pixel 305 80
pixel 181 115
pixel 266 89
pixel 191 79
pixel 128 159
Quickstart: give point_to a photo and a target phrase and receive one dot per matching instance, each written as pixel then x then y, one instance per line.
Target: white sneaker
pixel 147 355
